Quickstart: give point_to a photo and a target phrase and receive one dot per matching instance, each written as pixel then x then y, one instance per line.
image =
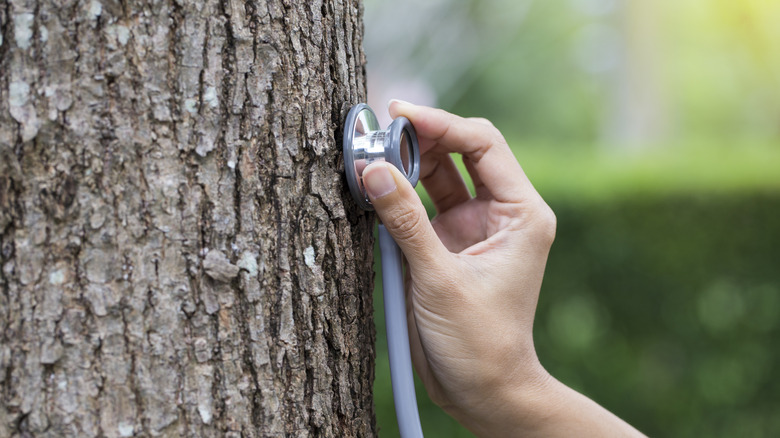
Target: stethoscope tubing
pixel 401 375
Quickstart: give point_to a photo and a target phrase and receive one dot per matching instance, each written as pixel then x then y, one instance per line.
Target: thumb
pixel 403 214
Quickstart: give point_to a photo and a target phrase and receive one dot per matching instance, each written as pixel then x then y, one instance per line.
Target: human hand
pixel 473 278
pixel 476 270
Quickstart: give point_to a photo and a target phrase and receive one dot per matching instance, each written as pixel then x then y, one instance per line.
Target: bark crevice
pixel 140 139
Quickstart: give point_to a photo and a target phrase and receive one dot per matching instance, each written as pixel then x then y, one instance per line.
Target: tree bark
pixel 179 254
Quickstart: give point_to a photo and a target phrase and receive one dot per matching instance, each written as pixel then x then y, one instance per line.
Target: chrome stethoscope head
pixel 365 142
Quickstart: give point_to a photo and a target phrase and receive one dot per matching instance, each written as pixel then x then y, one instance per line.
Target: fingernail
pixel 378 181
pixel 399 101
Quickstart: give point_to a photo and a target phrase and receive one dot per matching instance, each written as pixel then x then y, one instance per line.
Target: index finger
pixel 480 142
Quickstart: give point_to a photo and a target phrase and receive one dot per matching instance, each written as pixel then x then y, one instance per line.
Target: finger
pixel 404 216
pixel 481 143
pixel 480 190
pixel 443 181
pixel 481 120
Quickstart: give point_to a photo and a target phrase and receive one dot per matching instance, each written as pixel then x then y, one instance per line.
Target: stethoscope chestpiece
pixel 365 143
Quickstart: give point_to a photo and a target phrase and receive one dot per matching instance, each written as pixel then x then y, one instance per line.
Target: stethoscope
pixel 365 143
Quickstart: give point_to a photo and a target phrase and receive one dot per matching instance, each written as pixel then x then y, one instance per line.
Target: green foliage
pixel 564 71
pixel 587 174
pixel 666 310
pixel 661 299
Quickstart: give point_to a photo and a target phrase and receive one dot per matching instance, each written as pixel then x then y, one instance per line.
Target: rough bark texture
pixel 179 254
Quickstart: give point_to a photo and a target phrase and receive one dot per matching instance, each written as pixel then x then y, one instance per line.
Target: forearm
pixel 545 407
pixel 573 414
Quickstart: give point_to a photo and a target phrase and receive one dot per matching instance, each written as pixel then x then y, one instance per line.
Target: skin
pixel 474 275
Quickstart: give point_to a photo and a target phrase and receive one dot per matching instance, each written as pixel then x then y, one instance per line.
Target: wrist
pixel 544 407
pixel 516 405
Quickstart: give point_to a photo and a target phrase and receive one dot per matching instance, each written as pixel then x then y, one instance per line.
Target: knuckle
pixel 490 137
pixel 546 224
pixel 493 139
pixel 406 224
pixel 483 121
pixel 498 138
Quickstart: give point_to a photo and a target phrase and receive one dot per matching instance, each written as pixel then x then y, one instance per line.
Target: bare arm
pixel 475 272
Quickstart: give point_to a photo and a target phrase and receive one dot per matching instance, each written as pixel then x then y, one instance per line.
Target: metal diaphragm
pixel 365 143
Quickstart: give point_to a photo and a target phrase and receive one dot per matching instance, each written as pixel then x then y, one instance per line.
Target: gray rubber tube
pixel 398 337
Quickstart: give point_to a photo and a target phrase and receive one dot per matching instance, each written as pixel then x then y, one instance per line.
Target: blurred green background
pixel 652 128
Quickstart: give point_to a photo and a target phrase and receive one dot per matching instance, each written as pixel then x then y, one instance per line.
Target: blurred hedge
pixel 663 308
pixel 666 311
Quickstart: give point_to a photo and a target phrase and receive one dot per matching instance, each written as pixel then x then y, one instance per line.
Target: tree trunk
pixel 179 254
